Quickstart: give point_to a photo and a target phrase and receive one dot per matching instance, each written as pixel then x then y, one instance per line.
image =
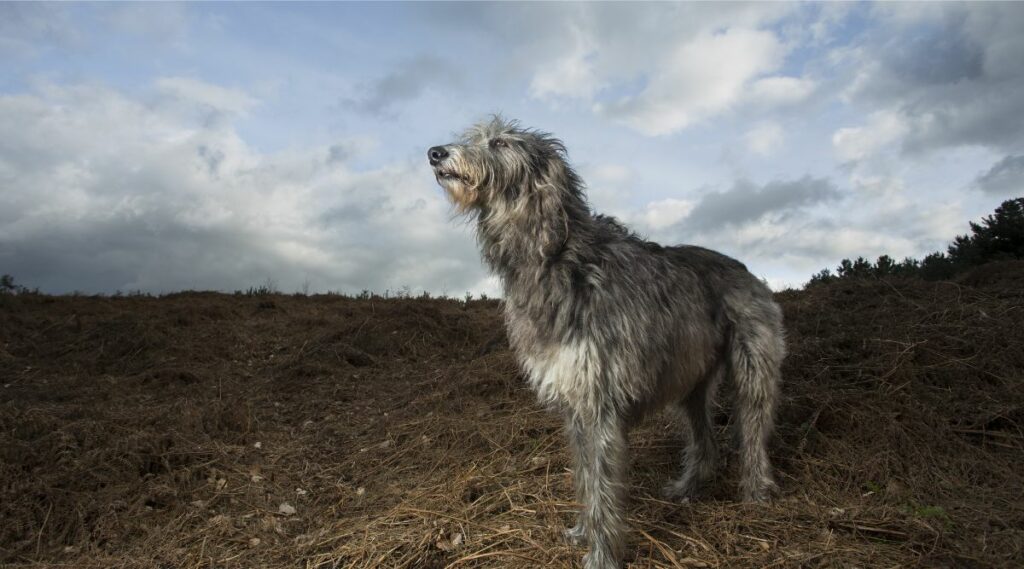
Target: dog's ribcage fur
pixel 610 322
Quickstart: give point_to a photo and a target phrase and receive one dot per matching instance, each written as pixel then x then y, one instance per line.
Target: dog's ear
pixel 546 206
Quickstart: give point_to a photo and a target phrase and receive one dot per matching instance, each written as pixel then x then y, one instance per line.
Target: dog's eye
pixel 498 143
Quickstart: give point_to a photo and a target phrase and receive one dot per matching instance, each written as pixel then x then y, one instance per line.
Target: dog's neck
pixel 528 240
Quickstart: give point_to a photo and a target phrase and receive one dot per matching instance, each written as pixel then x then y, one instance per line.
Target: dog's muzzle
pixel 436 154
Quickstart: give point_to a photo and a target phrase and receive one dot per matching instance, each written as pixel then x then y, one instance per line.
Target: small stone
pixel 257 445
pixel 253 542
pixel 360 491
pixel 301 492
pixel 286 509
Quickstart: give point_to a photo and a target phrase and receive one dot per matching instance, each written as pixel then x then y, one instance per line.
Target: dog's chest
pixel 564 373
pixel 559 372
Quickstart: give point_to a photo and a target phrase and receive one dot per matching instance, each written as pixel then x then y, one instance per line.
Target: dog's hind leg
pixel 701 456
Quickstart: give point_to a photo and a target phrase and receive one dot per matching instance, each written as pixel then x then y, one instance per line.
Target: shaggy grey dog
pixel 610 327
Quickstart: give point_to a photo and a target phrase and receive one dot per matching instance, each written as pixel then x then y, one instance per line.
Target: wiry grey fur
pixel 610 327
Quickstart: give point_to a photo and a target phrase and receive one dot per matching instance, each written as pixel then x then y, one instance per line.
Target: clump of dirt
pixel 210 430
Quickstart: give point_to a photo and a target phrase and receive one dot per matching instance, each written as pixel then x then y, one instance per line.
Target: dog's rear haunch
pixel 610 327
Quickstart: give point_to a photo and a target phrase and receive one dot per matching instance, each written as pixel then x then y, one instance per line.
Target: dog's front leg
pixel 602 457
pixel 578 444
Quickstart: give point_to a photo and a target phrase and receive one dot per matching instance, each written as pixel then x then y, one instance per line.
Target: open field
pixel 209 430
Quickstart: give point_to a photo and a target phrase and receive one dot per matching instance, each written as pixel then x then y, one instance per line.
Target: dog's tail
pixel 755 359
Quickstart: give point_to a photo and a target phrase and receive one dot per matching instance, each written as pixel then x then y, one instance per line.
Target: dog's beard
pixel 462 194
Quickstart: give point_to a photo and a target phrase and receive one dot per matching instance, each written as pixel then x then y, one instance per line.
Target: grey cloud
pixel 146 253
pixel 26 28
pixel 1005 177
pixel 407 82
pixel 162 21
pixel 954 73
pixel 936 55
pixel 211 157
pixel 203 210
pixel 746 201
pixel 33 28
pixel 337 154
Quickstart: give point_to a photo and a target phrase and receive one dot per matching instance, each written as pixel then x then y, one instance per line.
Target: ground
pixel 210 430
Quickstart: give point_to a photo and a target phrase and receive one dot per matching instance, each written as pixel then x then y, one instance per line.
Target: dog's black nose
pixel 436 154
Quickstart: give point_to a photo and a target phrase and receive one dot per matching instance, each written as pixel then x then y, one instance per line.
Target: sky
pixel 218 146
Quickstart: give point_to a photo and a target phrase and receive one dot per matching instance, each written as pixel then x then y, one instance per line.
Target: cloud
pixel 746 201
pixel 777 91
pixel 164 21
pixel 666 213
pixel 1005 177
pixel 28 28
pixel 571 76
pixel 882 129
pixel 703 77
pixel 695 60
pixel 162 202
pixel 406 82
pixel 950 73
pixel 192 92
pixel 764 138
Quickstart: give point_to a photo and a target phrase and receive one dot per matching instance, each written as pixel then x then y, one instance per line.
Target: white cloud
pixel 572 75
pixel 665 213
pixel 702 77
pixel 882 129
pixel 195 92
pixel 613 173
pixel 775 91
pixel 765 138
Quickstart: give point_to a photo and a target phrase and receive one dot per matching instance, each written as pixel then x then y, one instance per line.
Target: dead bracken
pixel 148 432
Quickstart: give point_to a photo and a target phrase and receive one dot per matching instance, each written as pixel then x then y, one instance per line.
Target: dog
pixel 610 327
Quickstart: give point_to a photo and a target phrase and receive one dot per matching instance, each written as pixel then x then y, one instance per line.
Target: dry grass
pixel 177 432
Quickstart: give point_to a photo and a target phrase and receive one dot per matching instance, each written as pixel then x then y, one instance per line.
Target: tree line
pixel 999 237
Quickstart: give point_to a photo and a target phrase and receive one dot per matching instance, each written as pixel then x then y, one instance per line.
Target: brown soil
pixel 209 430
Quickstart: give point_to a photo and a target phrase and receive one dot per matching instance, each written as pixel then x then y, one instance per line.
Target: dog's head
pixel 496 163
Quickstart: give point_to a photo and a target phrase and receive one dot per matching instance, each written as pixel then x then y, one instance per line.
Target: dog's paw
pixel 575 535
pixel 596 559
pixel 680 491
pixel 763 491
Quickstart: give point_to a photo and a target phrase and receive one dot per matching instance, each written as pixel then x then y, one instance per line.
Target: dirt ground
pixel 211 430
